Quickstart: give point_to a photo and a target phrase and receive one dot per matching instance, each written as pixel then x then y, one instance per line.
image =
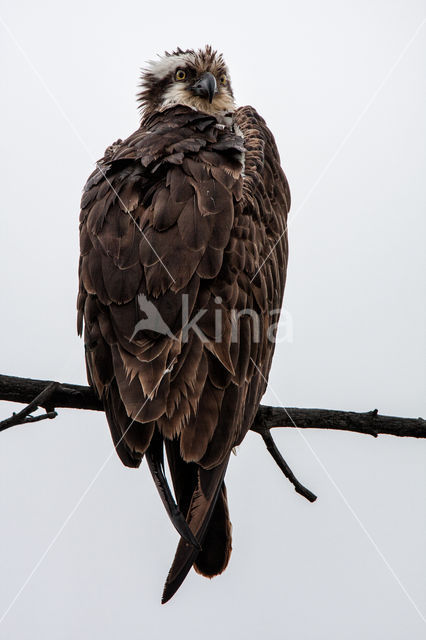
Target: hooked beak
pixel 206 86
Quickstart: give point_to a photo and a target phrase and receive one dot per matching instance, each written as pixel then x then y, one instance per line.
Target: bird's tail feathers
pixel 217 544
pixel 208 518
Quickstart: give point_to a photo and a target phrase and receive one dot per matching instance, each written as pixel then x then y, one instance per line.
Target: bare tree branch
pixel 50 395
pixel 370 422
pixel 70 396
pixel 73 396
pixel 24 416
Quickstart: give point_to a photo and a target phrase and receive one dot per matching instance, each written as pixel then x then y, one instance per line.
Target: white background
pixel 298 570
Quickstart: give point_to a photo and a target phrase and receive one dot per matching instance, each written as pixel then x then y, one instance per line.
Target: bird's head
pixel 197 79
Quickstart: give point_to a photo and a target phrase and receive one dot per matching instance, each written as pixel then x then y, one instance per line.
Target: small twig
pixel 275 453
pixel 24 416
pixel 44 416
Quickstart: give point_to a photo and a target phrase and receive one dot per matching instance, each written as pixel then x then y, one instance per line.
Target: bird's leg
pixel 275 453
pixel 155 460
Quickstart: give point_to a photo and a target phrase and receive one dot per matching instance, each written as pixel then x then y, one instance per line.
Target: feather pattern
pixel 184 219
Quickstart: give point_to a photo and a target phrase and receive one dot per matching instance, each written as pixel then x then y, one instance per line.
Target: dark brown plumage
pixel 187 215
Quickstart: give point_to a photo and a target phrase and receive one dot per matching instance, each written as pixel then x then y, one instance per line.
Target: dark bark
pixel 70 396
pixel 51 395
pixel 73 396
pixel 370 422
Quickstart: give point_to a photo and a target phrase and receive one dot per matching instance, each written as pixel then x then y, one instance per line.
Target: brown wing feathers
pixel 180 216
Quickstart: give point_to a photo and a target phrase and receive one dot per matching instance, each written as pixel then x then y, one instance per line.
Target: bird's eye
pixel 223 79
pixel 180 75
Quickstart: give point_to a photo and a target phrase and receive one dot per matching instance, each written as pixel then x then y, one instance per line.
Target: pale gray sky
pixel 354 292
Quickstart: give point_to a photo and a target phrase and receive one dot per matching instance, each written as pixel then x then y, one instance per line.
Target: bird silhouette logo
pixel 153 320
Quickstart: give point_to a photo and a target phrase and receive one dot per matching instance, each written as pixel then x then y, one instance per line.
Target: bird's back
pixel 186 217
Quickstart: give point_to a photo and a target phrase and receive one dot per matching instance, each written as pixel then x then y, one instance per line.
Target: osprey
pixel 181 278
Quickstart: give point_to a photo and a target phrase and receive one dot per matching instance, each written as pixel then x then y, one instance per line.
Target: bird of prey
pixel 183 257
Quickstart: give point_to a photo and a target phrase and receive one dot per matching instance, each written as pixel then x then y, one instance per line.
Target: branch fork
pixel 24 416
